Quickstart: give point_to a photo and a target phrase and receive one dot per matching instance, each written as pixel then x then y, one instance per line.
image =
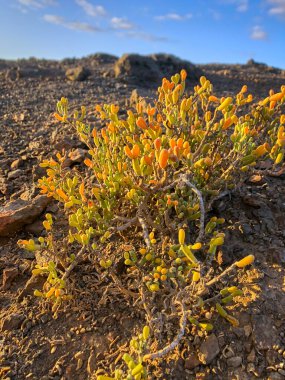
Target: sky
pixel 201 31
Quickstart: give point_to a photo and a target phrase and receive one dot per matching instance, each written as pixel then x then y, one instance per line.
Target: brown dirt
pixel 91 329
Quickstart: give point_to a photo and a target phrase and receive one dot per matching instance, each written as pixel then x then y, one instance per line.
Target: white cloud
pixel 75 25
pixel 37 3
pixel 123 28
pixel 90 9
pixel 277 7
pixel 174 17
pixel 258 33
pixel 121 23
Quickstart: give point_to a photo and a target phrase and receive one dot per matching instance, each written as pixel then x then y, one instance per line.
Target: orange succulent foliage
pixel 163 158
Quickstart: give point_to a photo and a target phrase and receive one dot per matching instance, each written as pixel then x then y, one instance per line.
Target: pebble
pixel 12 322
pixel 44 318
pixel 251 356
pixel 234 362
pixel 247 330
pixel 191 361
pixel 15 174
pixel 9 274
pixel 209 349
pixel 15 164
pixel 264 332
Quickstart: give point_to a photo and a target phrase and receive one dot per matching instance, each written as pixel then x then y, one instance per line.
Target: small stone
pixel 209 349
pixel 29 255
pixel 15 164
pixel 271 357
pixel 15 174
pixel 44 318
pixel 251 356
pixel 251 201
pixel 234 362
pixel 67 163
pixel 18 213
pixel 78 155
pixel 247 330
pixel 264 332
pixel 238 331
pixel 9 274
pixel 192 361
pixel 281 371
pixel 12 322
pixel 91 363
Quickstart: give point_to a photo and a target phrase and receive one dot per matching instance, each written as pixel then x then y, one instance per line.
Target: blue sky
pixel 202 31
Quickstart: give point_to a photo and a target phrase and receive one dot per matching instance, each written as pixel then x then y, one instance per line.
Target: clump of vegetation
pixel 156 173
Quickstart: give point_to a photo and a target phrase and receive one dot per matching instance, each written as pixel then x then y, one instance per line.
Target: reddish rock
pixel 209 349
pixel 18 213
pixel 76 156
pixel 12 322
pixel 8 276
pixel 192 361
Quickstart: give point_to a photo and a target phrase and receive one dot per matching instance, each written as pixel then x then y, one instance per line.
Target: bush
pixel 155 174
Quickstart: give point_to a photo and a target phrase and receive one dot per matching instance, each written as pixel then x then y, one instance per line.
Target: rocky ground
pixel 86 336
